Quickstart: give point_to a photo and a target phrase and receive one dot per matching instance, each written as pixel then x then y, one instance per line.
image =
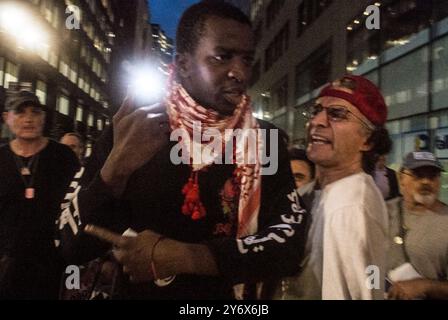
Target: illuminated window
pixel 55 22
pixel 74 73
pixel 11 74
pixel 90 120
pixel 63 105
pixel 41 91
pixel 99 124
pixel 54 59
pixel 2 70
pixel 79 113
pixel 44 52
pixel 63 68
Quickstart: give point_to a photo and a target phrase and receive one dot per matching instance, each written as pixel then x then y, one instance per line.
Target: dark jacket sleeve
pixel 278 247
pixel 89 201
pixel 393 184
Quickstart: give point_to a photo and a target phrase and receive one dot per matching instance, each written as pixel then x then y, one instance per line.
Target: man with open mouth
pixel 346 248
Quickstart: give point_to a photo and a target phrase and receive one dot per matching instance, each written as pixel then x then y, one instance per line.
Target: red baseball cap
pixel 365 96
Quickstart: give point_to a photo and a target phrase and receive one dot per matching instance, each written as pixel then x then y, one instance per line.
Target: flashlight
pixel 146 83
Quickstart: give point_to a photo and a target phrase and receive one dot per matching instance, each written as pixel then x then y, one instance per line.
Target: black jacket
pixel 153 200
pixel 394 190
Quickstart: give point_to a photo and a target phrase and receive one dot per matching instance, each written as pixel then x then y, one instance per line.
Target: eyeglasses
pixel 334 113
pixel 429 173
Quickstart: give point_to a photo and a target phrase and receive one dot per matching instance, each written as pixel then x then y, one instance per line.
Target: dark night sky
pixel 167 13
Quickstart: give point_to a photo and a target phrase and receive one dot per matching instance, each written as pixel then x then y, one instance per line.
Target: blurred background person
pixel 75 142
pixel 302 168
pixel 34 175
pixel 386 179
pixel 418 253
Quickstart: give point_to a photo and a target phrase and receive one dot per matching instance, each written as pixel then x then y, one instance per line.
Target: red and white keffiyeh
pixel 183 112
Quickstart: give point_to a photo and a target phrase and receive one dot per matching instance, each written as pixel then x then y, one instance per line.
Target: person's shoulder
pixel 443 209
pixel 4 149
pixel 62 152
pixel 357 190
pixel 266 125
pixel 55 146
pixel 4 146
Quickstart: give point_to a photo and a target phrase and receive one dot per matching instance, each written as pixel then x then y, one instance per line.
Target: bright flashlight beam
pixel 147 84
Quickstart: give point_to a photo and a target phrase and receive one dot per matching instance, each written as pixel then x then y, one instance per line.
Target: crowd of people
pixel 331 222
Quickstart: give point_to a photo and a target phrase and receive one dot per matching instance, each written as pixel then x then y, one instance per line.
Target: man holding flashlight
pixel 202 228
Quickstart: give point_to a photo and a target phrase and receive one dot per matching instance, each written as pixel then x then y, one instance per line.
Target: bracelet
pixel 153 267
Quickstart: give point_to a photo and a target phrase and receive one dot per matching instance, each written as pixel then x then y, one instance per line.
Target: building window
pixel 314 71
pixel 402 19
pixel 79 113
pixel 44 52
pixel 255 73
pixel 90 120
pixel 63 105
pixel 2 70
pixel 63 68
pixel 281 93
pixel 46 10
pixel 363 45
pixel 272 11
pixel 41 91
pixel 441 9
pixel 54 59
pixel 55 22
pixel 440 73
pixel 308 11
pixel 11 73
pixel 99 124
pixel 405 94
pixel 277 47
pixel 258 32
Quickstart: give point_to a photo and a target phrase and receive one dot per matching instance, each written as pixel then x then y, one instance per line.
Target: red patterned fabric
pixel 183 112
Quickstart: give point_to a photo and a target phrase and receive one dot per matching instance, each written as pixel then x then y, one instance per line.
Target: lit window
pixel 41 91
pixel 2 69
pixel 90 120
pixel 54 59
pixel 63 105
pixel 99 124
pixel 73 73
pixel 44 52
pixel 11 74
pixel 79 114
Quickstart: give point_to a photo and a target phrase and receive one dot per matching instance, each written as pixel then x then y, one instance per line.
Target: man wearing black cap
pixel 418 254
pixel 34 175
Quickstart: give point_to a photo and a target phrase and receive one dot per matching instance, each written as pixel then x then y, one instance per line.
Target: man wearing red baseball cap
pixel 346 246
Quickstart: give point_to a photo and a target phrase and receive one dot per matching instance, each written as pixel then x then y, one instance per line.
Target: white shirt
pixel 348 236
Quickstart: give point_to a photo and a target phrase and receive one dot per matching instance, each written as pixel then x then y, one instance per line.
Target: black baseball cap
pixel 18 99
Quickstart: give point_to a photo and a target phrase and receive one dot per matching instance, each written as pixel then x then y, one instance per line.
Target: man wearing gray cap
pixel 34 175
pixel 418 253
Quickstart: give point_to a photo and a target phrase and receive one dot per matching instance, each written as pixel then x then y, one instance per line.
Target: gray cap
pixel 17 99
pixel 418 159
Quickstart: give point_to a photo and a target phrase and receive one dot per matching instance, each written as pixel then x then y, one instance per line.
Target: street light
pixel 18 22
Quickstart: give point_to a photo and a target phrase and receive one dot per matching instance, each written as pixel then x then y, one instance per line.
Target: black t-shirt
pixel 27 226
pixel 153 200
